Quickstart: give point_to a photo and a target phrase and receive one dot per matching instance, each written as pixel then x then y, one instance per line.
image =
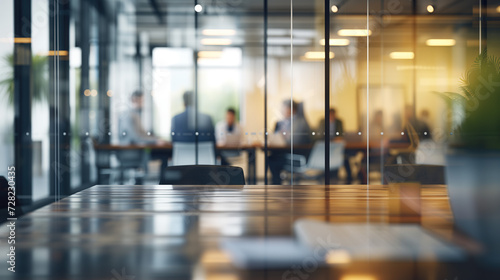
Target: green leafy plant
pixel 39 78
pixel 476 110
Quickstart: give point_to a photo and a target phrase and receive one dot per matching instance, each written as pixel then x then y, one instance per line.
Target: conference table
pixel 251 173
pixel 177 232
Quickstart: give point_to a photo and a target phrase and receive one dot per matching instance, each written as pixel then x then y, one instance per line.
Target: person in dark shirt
pixel 301 135
pixel 186 124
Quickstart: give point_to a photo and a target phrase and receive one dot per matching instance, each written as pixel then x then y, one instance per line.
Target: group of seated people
pixel 194 126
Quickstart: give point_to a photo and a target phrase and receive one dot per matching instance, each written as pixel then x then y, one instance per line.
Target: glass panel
pixel 40 99
pixel 413 65
pixel 349 36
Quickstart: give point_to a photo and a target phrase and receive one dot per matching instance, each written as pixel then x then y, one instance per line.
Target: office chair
pixel 203 175
pixel 425 174
pixel 133 160
pixel 316 164
pixel 184 153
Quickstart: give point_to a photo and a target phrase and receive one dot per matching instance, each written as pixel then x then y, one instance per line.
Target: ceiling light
pixel 218 32
pixel 317 55
pixel 335 8
pixel 217 42
pixel 336 42
pixel 287 41
pixel 430 9
pixel 402 55
pixel 198 8
pixel 209 54
pixel 498 9
pixel 338 257
pixel 440 42
pixel 354 32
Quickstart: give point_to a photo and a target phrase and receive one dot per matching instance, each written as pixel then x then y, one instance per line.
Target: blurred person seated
pixel 228 131
pixel 336 134
pixel 186 124
pixel 229 134
pixel 421 128
pixel 377 126
pixel 131 132
pixel 292 113
pixel 336 126
pixel 130 126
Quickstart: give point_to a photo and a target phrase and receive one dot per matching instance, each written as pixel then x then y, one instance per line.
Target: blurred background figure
pixel 292 113
pixel 425 117
pixel 186 124
pixel 228 133
pixel 422 130
pixel 336 126
pixel 130 126
pixel 377 126
pixel 336 134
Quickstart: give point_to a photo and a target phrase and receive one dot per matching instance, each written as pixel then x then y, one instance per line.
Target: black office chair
pixel 202 175
pixel 424 174
pixel 4 202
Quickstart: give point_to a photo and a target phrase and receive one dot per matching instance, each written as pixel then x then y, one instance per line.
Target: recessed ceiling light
pixel 218 32
pixel 198 8
pixel 354 32
pixel 286 41
pixel 334 8
pixel 402 55
pixel 317 55
pixel 440 42
pixel 430 9
pixel 216 41
pixel 209 54
pixel 336 42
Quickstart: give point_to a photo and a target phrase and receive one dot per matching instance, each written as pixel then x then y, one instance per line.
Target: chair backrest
pixel 131 158
pixel 184 153
pixel 425 174
pixel 317 156
pixel 203 175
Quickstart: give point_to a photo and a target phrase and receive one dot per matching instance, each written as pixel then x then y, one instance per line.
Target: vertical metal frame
pixel 22 101
pixel 327 92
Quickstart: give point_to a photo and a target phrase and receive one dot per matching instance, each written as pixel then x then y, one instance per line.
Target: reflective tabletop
pixel 176 232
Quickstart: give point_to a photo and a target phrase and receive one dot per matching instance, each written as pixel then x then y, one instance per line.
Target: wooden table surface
pixel 173 232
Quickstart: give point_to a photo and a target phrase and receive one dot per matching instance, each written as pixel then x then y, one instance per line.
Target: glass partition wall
pixel 94 97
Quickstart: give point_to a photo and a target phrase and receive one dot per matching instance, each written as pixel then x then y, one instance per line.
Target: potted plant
pixel 39 68
pixel 473 159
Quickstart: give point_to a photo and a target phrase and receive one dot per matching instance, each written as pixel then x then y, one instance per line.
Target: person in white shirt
pixel 228 133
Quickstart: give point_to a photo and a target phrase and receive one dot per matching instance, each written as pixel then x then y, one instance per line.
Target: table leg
pixel 252 175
